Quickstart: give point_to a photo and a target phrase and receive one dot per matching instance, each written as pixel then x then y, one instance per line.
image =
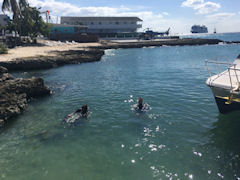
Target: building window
pixel 125 22
pixel 92 23
pixel 100 23
pixel 116 22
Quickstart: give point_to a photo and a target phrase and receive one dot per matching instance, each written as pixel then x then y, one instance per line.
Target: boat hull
pixel 220 96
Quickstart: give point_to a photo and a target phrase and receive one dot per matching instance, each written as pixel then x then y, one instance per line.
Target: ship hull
pixel 196 32
pixel 220 96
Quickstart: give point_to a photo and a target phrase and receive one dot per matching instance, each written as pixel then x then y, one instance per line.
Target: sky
pixel 158 15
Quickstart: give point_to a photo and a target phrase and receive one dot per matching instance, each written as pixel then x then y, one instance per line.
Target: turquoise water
pixel 221 36
pixel 183 136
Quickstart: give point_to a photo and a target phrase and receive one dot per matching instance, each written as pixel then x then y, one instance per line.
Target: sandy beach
pixel 47 48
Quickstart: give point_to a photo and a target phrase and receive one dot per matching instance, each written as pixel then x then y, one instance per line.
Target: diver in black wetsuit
pixel 139 104
pixel 83 110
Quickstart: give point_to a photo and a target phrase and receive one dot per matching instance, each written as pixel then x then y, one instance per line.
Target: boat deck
pixel 228 79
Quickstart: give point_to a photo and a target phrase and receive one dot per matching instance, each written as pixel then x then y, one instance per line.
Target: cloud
pixel 165 13
pixel 64 8
pixel 58 8
pixel 67 9
pixel 224 22
pixel 201 6
pixel 192 3
pixel 220 16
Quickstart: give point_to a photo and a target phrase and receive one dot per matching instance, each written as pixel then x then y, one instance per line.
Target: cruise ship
pixel 199 29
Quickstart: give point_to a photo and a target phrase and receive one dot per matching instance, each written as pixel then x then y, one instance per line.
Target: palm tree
pixel 14 7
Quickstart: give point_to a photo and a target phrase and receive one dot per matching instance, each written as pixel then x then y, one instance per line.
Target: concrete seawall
pixel 163 42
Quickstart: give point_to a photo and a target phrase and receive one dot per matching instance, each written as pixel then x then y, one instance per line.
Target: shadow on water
pixel 224 137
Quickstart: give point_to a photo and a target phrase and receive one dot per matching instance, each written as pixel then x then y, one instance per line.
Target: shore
pixel 49 54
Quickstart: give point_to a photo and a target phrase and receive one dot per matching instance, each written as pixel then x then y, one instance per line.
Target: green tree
pixel 27 20
pixel 31 23
pixel 3 49
pixel 12 6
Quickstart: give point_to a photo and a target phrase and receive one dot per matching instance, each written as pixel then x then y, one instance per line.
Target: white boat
pixel 225 85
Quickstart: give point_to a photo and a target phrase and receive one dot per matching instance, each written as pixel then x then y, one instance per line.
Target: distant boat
pixel 215 31
pixel 199 29
pixel 226 85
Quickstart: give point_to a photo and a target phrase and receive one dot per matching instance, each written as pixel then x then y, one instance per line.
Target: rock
pixel 15 93
pixel 61 58
pixel 5 77
pixel 3 70
pixel 1 122
pixel 33 87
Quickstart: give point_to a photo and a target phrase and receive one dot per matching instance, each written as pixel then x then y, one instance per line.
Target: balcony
pixel 114 26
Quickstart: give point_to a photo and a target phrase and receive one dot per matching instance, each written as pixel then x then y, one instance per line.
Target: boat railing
pixel 231 71
pixel 237 88
pixel 219 64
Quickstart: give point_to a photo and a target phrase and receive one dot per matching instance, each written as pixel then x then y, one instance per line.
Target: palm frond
pixel 23 3
pixel 15 9
pixel 6 5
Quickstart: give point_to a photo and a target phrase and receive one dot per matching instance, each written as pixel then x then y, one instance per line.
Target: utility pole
pixel 47 14
pixel 46 17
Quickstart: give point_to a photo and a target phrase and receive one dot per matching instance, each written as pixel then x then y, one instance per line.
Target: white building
pixel 105 25
pixel 3 19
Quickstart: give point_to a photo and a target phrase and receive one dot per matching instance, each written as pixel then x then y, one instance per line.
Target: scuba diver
pixel 140 103
pixel 83 110
pixel 140 106
pixel 72 118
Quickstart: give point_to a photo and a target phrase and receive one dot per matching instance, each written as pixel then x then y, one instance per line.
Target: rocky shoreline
pixel 15 93
pixel 60 58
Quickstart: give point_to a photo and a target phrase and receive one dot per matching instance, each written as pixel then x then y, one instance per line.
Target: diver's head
pixel 140 105
pixel 140 100
pixel 84 109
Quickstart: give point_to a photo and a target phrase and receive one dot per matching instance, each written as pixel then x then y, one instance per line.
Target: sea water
pixel 182 136
pixel 235 36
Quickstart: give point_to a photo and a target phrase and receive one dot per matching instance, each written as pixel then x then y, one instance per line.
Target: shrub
pixel 3 49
